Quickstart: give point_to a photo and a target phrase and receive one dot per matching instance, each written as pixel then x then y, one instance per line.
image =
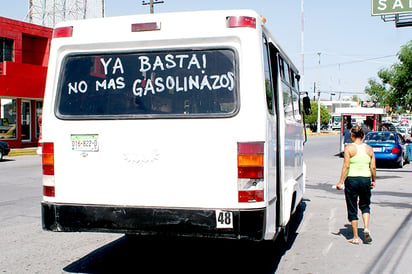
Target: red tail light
pixel 145 26
pixel 48 191
pixel 241 22
pixel 251 196
pixel 63 32
pixel 395 150
pixel 250 162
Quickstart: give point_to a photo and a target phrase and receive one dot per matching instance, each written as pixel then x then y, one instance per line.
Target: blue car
pixel 389 147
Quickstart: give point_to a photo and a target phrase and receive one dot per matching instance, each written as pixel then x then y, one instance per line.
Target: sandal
pixel 354 241
pixel 368 237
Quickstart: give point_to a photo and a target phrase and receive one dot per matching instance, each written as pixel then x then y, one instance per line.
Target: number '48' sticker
pixel 224 219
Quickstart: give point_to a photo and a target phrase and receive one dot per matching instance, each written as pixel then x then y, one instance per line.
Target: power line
pixel 359 61
pixel 342 92
pixel 355 61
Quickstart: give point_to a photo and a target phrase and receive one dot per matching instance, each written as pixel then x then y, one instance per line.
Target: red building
pixel 24 54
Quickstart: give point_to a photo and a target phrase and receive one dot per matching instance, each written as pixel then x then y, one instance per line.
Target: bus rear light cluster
pixel 250 163
pixel 48 169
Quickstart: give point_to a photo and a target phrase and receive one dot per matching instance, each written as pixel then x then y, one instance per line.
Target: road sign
pixel 381 7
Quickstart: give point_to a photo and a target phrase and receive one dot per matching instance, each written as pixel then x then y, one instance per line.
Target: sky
pixel 351 45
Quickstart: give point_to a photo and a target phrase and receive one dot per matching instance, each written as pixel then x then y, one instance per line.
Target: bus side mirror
pixel 306 105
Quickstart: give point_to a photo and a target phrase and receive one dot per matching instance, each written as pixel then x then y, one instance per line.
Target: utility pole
pixel 302 41
pixel 318 129
pixel 152 3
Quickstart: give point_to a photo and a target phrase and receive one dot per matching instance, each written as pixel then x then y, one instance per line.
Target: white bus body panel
pixel 172 163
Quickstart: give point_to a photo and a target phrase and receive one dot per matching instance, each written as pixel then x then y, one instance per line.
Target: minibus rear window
pixel 192 83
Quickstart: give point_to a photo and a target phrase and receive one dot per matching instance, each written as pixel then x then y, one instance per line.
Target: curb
pixel 22 151
pixel 322 133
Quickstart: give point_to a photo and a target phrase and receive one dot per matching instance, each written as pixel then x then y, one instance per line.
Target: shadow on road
pixel 8 160
pixel 186 255
pixel 346 232
pixel 395 256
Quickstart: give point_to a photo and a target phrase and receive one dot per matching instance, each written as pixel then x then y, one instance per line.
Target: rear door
pixel 153 128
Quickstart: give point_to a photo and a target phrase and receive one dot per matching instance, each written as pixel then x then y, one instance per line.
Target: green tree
pixel 395 86
pixel 312 119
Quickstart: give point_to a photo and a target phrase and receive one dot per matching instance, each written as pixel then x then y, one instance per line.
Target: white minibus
pixel 180 124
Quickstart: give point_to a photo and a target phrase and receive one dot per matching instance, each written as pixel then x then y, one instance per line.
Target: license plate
pixel 377 149
pixel 85 142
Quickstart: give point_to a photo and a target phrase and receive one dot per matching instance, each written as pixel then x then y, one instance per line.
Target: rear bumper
pixel 388 157
pixel 247 224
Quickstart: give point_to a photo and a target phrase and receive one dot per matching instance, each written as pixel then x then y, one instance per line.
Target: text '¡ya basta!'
pixel 199 80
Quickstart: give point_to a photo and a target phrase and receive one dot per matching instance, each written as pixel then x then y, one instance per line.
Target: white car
pixel 403 131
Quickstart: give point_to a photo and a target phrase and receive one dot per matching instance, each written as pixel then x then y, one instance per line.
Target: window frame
pixel 10 123
pixel 268 72
pixel 290 87
pixel 6 50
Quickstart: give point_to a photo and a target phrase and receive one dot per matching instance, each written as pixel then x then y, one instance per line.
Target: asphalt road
pixel 318 242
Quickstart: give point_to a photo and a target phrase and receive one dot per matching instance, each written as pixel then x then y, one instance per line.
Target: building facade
pixel 24 54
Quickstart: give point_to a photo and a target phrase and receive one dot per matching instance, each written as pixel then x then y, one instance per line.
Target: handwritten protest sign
pixel 140 75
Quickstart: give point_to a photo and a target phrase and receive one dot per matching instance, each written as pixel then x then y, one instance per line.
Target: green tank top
pixel 360 163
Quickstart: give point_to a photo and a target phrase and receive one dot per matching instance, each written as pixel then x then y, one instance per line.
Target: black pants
pixel 357 188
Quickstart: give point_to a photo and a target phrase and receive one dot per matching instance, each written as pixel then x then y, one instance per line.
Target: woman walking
pixel 359 175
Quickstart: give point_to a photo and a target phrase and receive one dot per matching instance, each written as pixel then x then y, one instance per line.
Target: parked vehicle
pixel 403 131
pixel 4 149
pixel 336 121
pixel 389 147
pixel 387 127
